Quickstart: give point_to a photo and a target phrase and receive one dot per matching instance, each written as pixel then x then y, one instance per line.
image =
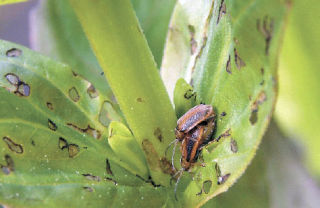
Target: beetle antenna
pixel 176 186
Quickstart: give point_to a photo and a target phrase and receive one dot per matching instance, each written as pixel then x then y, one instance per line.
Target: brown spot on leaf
pixel 62 144
pixel 108 167
pixel 190 94
pixel 140 100
pixel 92 92
pixel 223 114
pixel 193 42
pixel 222 10
pixel 17 148
pixel 73 94
pixel 91 177
pixel 73 150
pixel 228 66
pixel 206 186
pixel 238 61
pixel 14 52
pixel 262 97
pixel 158 134
pixel 166 166
pixel 9 167
pixel 151 155
pixel 87 188
pixel 49 105
pixel 233 146
pixel 33 143
pixel 262 71
pixel 52 125
pixel 112 180
pixel 266 29
pixel 89 130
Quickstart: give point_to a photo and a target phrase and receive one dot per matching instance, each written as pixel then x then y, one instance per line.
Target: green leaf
pixel 56 32
pixel 122 51
pixel 53 146
pixel 4 2
pixel 227 50
pixel 154 17
pixel 297 109
pixel 276 178
pixel 127 149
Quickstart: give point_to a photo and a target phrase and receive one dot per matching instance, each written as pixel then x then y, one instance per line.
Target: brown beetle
pixel 194 129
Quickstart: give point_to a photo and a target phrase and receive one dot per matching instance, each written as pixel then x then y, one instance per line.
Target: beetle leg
pixel 173 153
pixel 176 186
pixel 171 143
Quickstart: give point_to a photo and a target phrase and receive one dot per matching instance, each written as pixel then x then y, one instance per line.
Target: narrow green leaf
pixel 226 50
pixel 154 17
pixel 297 109
pixel 56 32
pixel 118 43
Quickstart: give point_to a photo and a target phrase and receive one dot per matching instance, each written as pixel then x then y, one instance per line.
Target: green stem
pixel 122 51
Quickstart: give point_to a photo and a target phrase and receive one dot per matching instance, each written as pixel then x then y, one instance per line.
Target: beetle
pixel 194 130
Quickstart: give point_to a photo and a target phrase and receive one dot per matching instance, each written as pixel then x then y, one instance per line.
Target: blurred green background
pixel 286 169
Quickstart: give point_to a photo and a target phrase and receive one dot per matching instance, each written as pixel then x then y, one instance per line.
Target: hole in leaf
pixel 73 150
pixel 228 66
pixel 52 125
pixel 233 145
pixel 23 89
pixel 12 79
pixel 223 179
pixel 17 148
pixel 49 105
pixel 74 95
pixel 93 93
pixel 112 180
pixel 254 117
pixel 89 189
pixel 189 94
pixel 13 52
pixel 108 113
pixel 206 186
pixel 108 167
pixel 89 130
pixel 91 177
pixel 9 166
pixel 238 60
pixel 20 87
pixel 222 10
pixel 62 143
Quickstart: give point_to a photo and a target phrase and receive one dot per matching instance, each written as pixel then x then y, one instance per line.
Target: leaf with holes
pixel 53 142
pixel 227 51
